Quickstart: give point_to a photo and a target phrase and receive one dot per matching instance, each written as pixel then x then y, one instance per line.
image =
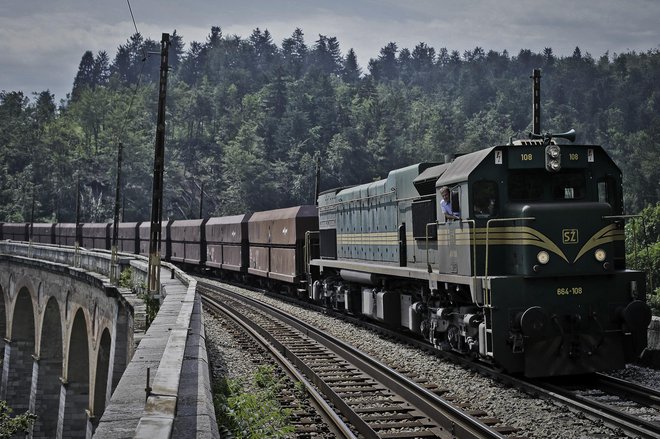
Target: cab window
pixel 485 200
pixel 525 186
pixel 607 192
pixel 568 186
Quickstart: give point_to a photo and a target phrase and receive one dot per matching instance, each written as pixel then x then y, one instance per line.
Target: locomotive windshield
pixel 528 185
pixel 525 186
pixel 568 186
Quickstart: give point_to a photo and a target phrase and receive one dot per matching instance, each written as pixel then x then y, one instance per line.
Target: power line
pixel 132 17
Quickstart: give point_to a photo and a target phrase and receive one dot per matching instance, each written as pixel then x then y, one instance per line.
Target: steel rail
pixel 592 409
pixel 534 387
pixel 456 422
pixel 635 392
pixel 327 411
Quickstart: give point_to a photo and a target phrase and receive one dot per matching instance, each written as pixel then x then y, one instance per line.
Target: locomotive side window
pixel 607 192
pixel 525 186
pixel 568 186
pixel 485 199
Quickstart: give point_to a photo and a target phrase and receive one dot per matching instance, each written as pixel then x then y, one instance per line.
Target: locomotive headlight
pixel 552 158
pixel 600 255
pixel 543 257
pixel 553 151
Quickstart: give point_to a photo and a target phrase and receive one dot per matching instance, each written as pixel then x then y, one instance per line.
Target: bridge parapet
pixel 178 402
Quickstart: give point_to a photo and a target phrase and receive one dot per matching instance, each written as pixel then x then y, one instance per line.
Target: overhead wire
pixel 139 79
pixel 122 127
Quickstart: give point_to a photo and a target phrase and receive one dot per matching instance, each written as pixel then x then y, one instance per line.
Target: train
pixel 529 273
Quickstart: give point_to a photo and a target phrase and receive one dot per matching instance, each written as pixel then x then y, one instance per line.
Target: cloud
pixel 42 41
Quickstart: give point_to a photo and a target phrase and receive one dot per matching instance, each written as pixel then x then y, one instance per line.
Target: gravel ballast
pixel 536 418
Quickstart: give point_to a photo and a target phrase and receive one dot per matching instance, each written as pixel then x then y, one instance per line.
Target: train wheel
pixel 454 337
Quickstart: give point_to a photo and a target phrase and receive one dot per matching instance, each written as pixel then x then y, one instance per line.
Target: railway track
pixel 622 405
pixel 633 409
pixel 369 399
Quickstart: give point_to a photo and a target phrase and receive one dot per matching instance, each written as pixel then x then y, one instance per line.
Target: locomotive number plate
pixel 569 291
pixel 569 236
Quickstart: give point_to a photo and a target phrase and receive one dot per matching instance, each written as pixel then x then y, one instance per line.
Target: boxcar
pixel 128 238
pixel 66 234
pixel 227 242
pixel 16 232
pixel 144 234
pixel 277 239
pixel 187 238
pixel 42 232
pixel 96 235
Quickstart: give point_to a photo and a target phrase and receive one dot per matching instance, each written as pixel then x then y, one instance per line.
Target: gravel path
pixel 535 417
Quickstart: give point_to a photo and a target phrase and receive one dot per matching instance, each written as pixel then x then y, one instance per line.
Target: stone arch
pixel 102 370
pixel 67 305
pixel 122 352
pixel 21 349
pixel 47 397
pixel 41 296
pixel 12 284
pixel 3 317
pixel 76 399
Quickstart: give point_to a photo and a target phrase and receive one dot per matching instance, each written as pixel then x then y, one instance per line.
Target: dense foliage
pixel 643 244
pixel 10 424
pixel 247 121
pixel 251 409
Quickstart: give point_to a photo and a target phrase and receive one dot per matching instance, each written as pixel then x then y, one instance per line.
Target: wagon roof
pixel 188 222
pixel 288 212
pixel 233 219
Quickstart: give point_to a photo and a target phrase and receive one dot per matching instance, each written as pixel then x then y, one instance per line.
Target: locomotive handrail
pixel 496 220
pixel 308 245
pixel 337 203
pixel 428 261
pixel 473 223
pixel 396 200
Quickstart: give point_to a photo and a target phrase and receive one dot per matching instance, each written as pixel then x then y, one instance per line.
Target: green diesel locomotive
pixel 528 273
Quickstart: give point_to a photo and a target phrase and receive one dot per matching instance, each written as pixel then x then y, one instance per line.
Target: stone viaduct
pixel 76 353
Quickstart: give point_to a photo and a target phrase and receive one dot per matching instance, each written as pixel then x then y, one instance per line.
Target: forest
pixel 248 120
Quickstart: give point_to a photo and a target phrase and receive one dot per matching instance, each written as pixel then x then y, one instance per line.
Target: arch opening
pixel 76 395
pixel 20 354
pixel 47 398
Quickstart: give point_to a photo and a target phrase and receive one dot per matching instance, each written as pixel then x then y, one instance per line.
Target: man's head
pixel 444 192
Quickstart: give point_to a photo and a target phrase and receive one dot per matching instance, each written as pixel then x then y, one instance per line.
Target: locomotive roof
pixel 461 168
pixel 425 182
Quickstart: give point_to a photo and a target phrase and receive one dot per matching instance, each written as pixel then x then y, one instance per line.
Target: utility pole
pixel 32 214
pixel 536 101
pixel 114 264
pixel 159 164
pixel 78 198
pixel 318 180
pixel 201 200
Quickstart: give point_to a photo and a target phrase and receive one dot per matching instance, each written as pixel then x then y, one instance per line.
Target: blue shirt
pixel 446 208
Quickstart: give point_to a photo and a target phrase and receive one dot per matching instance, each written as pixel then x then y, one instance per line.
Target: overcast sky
pixel 42 41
